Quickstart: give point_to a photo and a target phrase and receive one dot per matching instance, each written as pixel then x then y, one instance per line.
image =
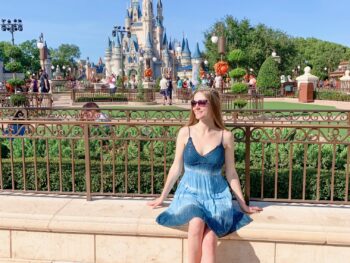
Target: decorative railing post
pixel 87 162
pixel 247 164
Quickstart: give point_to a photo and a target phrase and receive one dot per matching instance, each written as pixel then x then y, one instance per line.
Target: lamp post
pixel 121 30
pixel 43 51
pixel 8 25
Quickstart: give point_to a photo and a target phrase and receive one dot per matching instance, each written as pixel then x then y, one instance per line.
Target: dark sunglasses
pixel 201 103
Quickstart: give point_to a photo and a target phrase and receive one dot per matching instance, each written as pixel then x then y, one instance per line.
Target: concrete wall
pixel 59 229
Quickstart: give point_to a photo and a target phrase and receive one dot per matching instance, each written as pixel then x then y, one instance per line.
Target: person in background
pixel 17 129
pixel 218 82
pixel 170 89
pixel 163 88
pixel 91 112
pixel 33 84
pixel 44 82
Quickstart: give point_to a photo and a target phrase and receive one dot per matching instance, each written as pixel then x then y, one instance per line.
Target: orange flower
pixel 221 68
pixel 148 72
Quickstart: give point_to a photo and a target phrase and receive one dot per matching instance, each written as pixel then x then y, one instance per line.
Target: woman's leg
pixel 209 245
pixel 195 237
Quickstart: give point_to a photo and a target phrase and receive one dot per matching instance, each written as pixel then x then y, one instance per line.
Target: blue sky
pixel 88 23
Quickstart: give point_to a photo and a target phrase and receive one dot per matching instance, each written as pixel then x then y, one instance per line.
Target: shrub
pixel 15 82
pixel 268 77
pixel 240 103
pixel 239 88
pixel 236 56
pixel 332 95
pixel 237 73
pixel 17 100
pixel 101 98
pixel 119 82
pixel 13 66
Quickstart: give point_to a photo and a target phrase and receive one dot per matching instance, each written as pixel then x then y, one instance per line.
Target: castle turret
pixel 135 11
pixel 108 58
pixel 116 56
pixel 186 55
pixel 147 17
pixel 148 46
pixel 196 62
pixel 160 17
pixel 166 55
pixel 127 19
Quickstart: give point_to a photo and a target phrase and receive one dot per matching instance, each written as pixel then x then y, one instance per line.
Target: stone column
pixel 307 84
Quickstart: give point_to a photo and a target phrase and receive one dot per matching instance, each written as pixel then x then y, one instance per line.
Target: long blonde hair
pixel 213 97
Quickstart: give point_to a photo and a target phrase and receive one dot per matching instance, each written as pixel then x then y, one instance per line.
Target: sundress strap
pixel 222 137
pixel 189 132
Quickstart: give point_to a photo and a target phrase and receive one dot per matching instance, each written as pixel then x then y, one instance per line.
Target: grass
pixel 295 106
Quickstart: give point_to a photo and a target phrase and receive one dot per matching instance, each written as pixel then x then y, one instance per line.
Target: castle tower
pixel 108 58
pixel 186 55
pixel 165 55
pixel 116 57
pixel 135 11
pixel 127 19
pixel 147 17
pixel 196 63
pixel 160 17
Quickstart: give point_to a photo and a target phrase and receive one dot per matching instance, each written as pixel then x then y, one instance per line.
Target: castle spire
pixel 197 52
pixel 148 41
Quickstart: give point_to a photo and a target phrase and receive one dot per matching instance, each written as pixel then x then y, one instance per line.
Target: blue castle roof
pixel 186 49
pixel 197 53
pixel 165 39
pixel 149 41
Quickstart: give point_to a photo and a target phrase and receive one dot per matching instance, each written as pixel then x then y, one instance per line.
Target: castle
pixel 147 45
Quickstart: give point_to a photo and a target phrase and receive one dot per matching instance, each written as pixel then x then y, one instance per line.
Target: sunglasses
pixel 201 103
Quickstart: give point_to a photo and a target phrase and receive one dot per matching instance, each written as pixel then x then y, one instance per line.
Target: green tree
pixel 258 42
pixel 268 80
pixel 30 59
pixel 65 55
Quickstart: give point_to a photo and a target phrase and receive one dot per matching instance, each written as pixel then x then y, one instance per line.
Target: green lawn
pixel 142 108
pixel 295 106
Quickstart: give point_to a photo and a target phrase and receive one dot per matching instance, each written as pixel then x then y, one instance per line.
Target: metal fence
pixel 32 100
pixel 105 95
pixel 289 162
pixel 134 115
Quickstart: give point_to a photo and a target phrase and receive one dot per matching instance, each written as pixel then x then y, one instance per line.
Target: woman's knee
pixel 196 227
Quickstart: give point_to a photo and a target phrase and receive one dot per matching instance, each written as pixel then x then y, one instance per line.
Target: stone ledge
pixel 286 223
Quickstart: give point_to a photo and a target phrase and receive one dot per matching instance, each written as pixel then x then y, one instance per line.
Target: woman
pixel 203 197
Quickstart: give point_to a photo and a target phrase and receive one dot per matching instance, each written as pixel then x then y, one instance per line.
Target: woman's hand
pixel 252 209
pixel 156 202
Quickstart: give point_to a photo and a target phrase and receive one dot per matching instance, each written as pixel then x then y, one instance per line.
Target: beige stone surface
pixel 241 252
pixel 27 261
pixel 29 211
pixel 291 253
pixel 47 219
pixel 5 244
pixel 122 249
pixel 52 246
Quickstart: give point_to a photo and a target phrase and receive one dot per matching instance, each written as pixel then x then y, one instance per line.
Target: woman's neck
pixel 206 125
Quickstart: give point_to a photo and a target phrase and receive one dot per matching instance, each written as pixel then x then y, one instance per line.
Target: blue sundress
pixel 203 192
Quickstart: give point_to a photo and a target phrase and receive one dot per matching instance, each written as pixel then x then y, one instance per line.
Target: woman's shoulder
pixel 184 132
pixel 227 138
